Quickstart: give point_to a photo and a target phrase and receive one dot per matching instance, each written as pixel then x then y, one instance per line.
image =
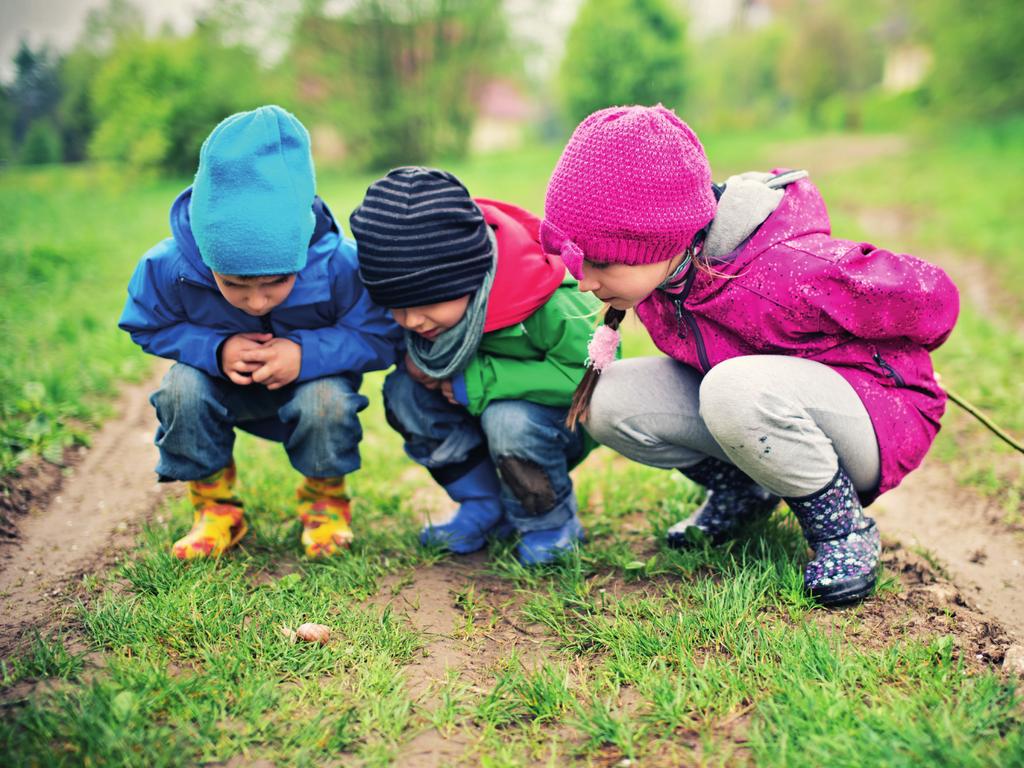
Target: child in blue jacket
pixel 257 298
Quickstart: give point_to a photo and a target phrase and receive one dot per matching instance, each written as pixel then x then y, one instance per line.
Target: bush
pixel 624 52
pixel 42 144
pixel 159 99
pixel 977 47
pixel 399 80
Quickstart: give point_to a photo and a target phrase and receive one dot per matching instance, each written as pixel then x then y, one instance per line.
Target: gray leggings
pixel 787 422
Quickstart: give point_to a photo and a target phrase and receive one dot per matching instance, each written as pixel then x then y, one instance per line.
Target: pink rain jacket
pixel 792 289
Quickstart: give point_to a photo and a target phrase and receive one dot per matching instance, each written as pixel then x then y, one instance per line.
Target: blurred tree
pixel 736 85
pixel 156 100
pixel 834 49
pixel 109 25
pixel 624 52
pixel 75 112
pixel 105 28
pixel 398 79
pixel 977 48
pixel 6 126
pixel 41 144
pixel 35 92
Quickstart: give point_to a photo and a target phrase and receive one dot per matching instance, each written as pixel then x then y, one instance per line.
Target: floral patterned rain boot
pixel 733 500
pixel 218 523
pixel 846 543
pixel 326 513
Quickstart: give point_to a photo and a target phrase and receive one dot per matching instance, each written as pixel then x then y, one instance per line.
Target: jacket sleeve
pixel 363 336
pixel 876 294
pixel 560 329
pixel 156 320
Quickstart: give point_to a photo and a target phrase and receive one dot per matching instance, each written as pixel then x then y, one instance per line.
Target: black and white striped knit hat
pixel 422 239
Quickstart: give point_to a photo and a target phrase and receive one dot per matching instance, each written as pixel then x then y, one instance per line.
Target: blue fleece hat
pixel 252 199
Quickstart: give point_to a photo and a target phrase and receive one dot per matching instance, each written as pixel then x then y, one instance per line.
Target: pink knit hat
pixel 632 186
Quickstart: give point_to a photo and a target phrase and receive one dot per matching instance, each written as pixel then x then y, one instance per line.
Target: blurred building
pixel 505 114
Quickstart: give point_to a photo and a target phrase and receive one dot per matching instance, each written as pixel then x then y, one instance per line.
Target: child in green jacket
pixel 496 339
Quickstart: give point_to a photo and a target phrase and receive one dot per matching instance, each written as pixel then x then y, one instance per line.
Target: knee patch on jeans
pixel 529 483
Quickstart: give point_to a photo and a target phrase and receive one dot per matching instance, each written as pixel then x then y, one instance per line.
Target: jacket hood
pixel 526 276
pixel 754 214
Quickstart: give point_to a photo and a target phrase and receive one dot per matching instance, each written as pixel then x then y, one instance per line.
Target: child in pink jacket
pixel 798 364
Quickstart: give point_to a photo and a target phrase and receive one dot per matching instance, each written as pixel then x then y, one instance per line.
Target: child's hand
pixel 281 361
pixel 448 390
pixel 231 356
pixel 420 376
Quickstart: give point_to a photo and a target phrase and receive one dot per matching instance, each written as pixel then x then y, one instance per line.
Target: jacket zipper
pixel 890 372
pixel 684 315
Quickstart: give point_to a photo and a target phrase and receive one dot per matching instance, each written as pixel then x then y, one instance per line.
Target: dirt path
pixel 830 154
pixel 93 518
pixel 954 525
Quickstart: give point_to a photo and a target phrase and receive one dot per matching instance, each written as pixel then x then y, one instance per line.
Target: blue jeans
pixel 316 421
pixel 529 444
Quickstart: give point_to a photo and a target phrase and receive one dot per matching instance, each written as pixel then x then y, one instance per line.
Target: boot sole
pixel 845 593
pixel 682 542
pixel 242 530
pixel 236 537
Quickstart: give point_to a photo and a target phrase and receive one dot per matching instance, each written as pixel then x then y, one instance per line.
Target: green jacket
pixel 541 359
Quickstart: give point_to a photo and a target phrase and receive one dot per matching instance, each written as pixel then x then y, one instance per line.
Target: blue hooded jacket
pixel 175 309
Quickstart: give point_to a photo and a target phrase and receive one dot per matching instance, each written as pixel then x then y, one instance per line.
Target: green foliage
pixel 624 52
pixel 828 53
pixel 76 115
pixel 977 48
pixel 157 100
pixel 36 88
pixel 6 126
pixel 736 80
pixel 41 144
pixel 399 80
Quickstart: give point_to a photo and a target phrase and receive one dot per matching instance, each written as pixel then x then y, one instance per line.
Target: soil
pixel 91 518
pixel 954 526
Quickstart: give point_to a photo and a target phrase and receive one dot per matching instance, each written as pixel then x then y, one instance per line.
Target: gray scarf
pixel 451 351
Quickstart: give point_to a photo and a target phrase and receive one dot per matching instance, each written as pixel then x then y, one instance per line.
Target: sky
pixel 59 22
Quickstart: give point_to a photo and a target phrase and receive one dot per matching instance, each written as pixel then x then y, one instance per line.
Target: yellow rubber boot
pixel 218 523
pixel 325 512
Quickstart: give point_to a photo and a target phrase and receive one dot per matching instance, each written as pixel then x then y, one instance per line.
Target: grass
pixel 626 650
pixel 645 653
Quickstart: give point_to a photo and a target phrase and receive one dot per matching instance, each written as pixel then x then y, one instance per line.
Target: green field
pixel 627 650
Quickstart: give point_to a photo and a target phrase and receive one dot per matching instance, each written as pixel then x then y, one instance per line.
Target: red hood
pixel 526 276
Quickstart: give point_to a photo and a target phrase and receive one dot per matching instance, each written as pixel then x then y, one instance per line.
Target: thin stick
pixel 976 413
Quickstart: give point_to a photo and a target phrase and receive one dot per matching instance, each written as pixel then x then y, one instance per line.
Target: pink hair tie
pixel 602 347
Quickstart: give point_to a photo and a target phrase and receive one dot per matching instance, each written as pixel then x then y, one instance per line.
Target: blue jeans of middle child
pixel 528 442
pixel 316 420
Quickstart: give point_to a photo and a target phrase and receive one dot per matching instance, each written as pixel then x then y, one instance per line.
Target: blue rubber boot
pixel 538 547
pixel 478 493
